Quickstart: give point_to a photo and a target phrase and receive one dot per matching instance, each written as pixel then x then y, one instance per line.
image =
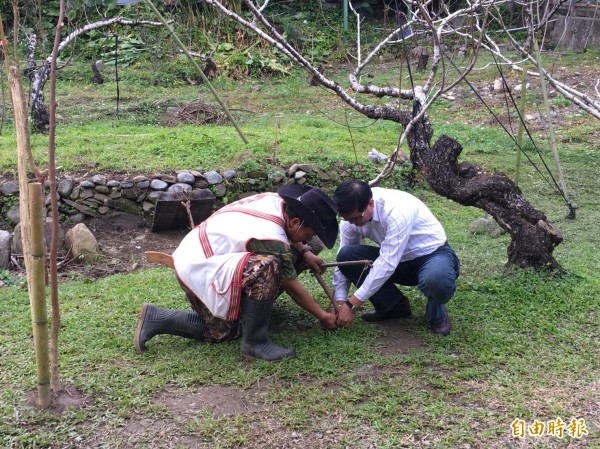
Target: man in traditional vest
pixel 233 266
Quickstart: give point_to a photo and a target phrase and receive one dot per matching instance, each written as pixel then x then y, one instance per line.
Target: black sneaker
pixel 400 310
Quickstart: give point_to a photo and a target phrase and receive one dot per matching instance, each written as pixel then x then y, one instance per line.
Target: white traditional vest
pixel 211 257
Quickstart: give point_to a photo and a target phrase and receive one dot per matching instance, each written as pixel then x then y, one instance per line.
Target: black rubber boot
pixel 154 321
pixel 255 317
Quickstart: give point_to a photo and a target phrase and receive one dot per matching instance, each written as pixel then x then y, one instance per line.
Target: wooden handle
pixel 158 257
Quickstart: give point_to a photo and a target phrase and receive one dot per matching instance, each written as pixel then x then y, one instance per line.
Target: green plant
pixel 7 278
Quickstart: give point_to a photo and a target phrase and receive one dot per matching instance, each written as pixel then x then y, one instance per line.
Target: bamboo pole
pixel 53 271
pixel 561 177
pixel 521 126
pixel 37 294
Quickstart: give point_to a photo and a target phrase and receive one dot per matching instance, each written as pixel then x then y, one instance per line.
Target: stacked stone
pixel 99 194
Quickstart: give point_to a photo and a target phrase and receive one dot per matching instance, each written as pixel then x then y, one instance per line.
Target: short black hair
pixel 352 195
pixel 290 212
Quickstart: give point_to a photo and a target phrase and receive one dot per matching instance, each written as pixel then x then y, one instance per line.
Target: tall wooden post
pixel 28 212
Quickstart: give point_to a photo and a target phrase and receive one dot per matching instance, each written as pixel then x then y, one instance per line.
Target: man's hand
pixel 345 315
pixel 314 262
pixel 328 320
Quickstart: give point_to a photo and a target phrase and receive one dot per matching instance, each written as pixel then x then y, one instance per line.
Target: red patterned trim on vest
pixel 204 242
pixel 236 290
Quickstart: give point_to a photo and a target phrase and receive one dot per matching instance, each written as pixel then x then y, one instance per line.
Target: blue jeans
pixel 434 274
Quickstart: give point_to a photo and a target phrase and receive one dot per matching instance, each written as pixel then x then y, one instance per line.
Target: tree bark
pixel 533 237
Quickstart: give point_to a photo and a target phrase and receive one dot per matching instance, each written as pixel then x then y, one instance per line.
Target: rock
pixel 201 183
pixel 13 214
pixel 82 243
pixel 142 184
pixel 499 86
pixel 103 199
pixel 102 189
pixel 157 184
pixel 75 192
pixel 486 226
pixel 48 199
pixel 87 193
pixel 65 187
pixel 153 196
pixel 4 250
pixel 213 177
pixel 126 185
pixel 299 174
pixel 76 218
pixel 186 178
pixel 180 187
pixel 17 242
pixel 140 178
pixel 148 207
pixel 220 190
pixel 112 183
pixel 99 180
pixel 130 194
pixel 87 184
pixel 306 167
pixel 9 188
pixel 229 174
pixel 169 179
pixel 124 204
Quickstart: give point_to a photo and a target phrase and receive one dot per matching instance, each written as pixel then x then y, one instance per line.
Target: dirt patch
pixel 220 400
pixel 396 338
pixel 66 398
pixel 122 239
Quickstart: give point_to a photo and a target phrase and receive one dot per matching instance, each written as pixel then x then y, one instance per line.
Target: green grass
pixel 523 345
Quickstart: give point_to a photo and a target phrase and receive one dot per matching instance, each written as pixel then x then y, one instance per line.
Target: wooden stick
pixel 366 262
pixel 327 291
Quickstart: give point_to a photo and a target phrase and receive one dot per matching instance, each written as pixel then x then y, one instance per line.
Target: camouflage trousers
pixel 260 281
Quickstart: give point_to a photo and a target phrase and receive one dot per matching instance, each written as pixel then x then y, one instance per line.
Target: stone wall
pixel 98 195
pixel 577 29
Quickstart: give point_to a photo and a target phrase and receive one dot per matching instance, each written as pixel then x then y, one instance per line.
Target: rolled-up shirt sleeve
pixel 349 235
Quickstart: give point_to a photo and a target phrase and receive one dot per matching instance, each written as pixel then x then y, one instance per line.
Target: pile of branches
pixel 196 113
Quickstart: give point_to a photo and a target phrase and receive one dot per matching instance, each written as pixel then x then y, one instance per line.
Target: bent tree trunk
pixel 533 237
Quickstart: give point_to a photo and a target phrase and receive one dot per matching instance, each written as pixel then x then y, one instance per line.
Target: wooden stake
pixel 37 294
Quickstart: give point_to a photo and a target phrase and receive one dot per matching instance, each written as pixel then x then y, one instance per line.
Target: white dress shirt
pixel 403 227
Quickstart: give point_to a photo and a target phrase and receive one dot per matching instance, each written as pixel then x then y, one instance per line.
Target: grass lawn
pixel 524 348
